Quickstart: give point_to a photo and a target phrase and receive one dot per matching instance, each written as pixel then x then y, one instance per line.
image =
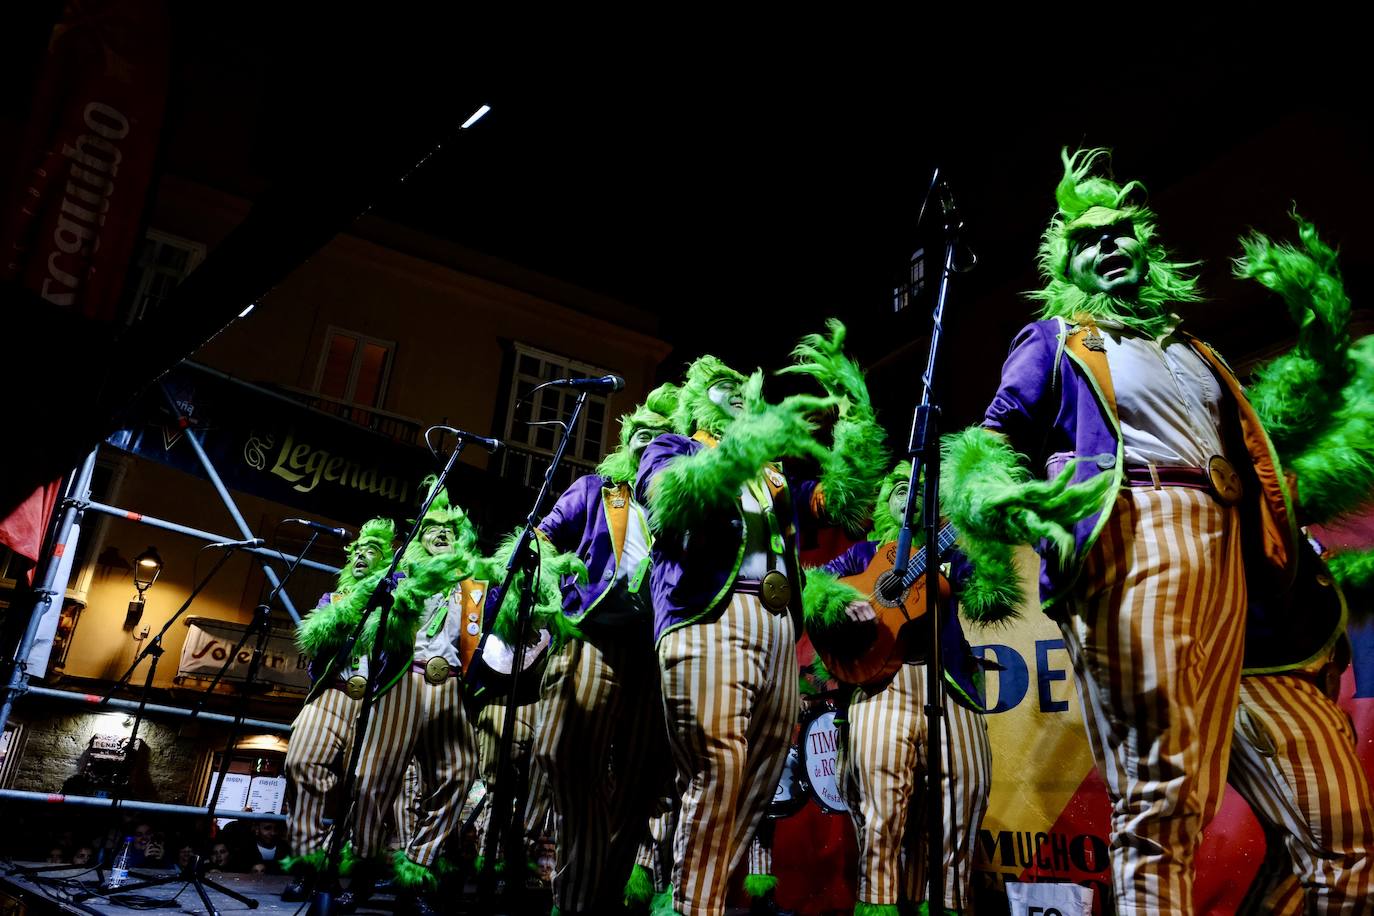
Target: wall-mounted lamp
pixel 147 567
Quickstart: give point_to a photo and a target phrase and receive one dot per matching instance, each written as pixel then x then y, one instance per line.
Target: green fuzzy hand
pixel 990 496
pixel 992 594
pixel 1309 281
pixel 692 487
pixel 825 600
pixel 1353 569
pixel 823 359
pixel 546 611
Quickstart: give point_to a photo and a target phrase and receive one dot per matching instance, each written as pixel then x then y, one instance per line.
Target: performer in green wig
pixel 1163 505
pixel 727 585
pixel 322 731
pixel 439 614
pixel 886 740
pixel 600 710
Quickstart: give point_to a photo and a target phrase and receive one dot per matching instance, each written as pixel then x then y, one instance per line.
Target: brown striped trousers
pixel 422 720
pixel 656 847
pixel 490 723
pixel 602 746
pixel 321 738
pixel 883 775
pixel 730 694
pixel 1156 631
pixel 1293 760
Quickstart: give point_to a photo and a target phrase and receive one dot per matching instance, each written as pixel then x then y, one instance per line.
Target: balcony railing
pixel 527 467
pixel 394 426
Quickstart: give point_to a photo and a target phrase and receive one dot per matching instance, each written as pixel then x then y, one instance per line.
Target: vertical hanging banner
pixel 87 158
pixel 88 155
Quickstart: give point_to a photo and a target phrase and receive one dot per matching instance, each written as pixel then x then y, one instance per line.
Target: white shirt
pixel 759 558
pixel 636 546
pixel 1167 398
pixel 445 641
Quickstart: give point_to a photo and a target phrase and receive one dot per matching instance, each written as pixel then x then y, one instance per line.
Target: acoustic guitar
pixel 871 652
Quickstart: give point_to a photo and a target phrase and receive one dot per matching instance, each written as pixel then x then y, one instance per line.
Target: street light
pixel 147 567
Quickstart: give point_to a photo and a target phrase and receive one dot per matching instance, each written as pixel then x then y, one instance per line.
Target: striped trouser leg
pixel 600 718
pixel 1294 762
pixel 760 861
pixel 966 780
pixel 490 723
pixel 406 811
pixel 657 846
pixel 386 750
pixel 321 737
pixel 446 761
pixel 730 695
pixel 883 766
pixel 1156 634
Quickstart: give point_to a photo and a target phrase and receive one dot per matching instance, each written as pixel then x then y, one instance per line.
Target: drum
pixel 820 757
pixel 790 795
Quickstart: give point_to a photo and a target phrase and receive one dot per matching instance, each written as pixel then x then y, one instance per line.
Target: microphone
pixel 246 542
pixel 490 445
pixel 605 383
pixel 322 529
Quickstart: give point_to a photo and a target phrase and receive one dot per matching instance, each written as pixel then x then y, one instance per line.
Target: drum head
pixel 820 758
pixel 790 795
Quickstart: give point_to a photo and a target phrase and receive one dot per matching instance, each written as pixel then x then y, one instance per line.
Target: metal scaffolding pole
pixel 176 712
pixel 228 500
pixel 49 586
pixel 87 801
pixel 205 535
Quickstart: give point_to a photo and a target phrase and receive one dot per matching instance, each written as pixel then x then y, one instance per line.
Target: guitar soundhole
pixel 888 590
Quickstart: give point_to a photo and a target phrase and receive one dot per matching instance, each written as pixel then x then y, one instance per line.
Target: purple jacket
pixel 694 571
pixel 1050 408
pixel 962 669
pixel 577 523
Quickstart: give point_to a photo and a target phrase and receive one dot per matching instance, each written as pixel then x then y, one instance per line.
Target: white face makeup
pixel 1107 260
pixel 896 502
pixel 438 539
pixel 364 558
pixel 726 395
pixel 642 437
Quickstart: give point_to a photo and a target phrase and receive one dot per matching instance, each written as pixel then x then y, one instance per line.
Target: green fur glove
pixel 1335 466
pixel 824 360
pixel 546 612
pixel 1353 569
pixel 1296 394
pixel 825 600
pixel 989 495
pixel 992 593
pixel 693 487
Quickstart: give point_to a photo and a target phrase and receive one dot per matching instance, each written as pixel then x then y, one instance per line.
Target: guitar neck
pixel 944 541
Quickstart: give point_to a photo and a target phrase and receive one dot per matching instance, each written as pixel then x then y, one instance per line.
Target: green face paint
pixel 1107 259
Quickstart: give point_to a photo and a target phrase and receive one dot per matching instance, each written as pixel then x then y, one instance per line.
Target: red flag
pixel 87 161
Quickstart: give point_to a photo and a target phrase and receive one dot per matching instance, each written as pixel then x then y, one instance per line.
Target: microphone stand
pixel 502 794
pixel 323 899
pixel 923 448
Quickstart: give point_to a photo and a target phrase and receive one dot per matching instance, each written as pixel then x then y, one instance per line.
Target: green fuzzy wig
pixel 694 409
pixel 1087 201
pixel 442 512
pixel 412 877
pixel 621 465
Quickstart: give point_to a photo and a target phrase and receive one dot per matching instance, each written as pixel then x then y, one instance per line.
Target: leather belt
pixel 1219 478
pixel 774 591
